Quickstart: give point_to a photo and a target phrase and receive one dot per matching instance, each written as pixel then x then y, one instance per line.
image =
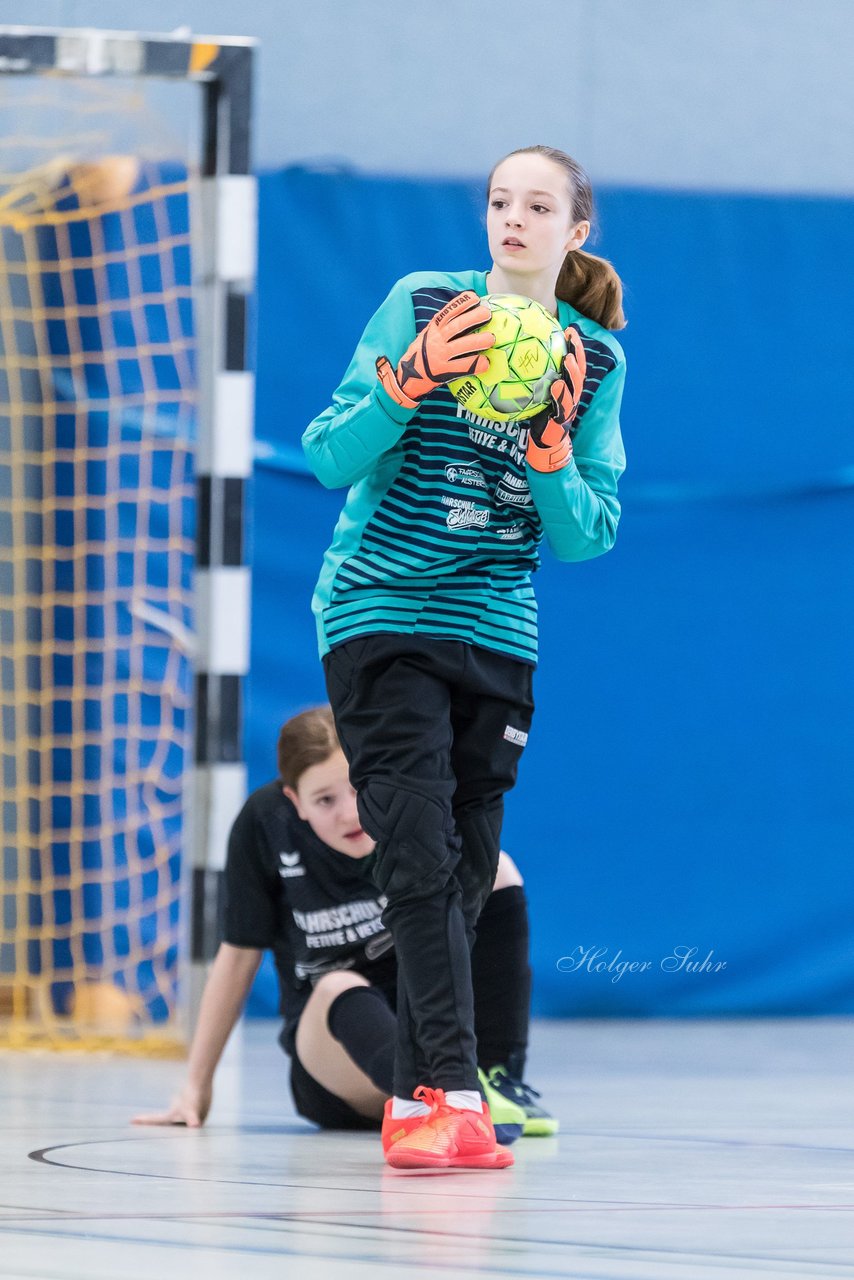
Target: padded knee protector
pixel 417 847
pixel 479 827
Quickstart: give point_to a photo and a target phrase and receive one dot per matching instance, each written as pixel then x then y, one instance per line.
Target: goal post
pixel 126 407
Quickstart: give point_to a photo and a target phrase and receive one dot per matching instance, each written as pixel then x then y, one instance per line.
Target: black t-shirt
pixel 316 909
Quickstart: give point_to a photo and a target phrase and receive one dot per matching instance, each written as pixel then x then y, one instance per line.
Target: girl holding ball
pixel 425 610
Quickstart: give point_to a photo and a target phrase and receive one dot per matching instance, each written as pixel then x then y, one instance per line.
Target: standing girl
pixel 425 610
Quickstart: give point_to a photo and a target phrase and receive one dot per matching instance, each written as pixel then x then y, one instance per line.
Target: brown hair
pixel 306 739
pixel 588 283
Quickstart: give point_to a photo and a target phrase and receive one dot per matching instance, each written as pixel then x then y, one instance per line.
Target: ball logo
pixel 465 391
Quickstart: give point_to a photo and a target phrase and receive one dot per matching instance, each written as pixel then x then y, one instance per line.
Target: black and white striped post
pixel 228 210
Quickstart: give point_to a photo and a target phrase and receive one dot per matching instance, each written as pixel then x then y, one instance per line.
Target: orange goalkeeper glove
pixel 445 349
pixel 549 441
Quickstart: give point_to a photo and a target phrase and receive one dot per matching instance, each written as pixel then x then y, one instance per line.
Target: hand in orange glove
pixel 549 441
pixel 446 348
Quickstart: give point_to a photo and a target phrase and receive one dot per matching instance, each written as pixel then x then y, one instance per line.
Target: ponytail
pixel 592 286
pixel 588 283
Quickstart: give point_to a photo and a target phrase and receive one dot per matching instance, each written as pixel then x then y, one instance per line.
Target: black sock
pixel 362 1021
pixel 501 976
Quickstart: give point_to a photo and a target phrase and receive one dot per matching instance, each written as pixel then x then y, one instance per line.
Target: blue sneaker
pixel 508 1118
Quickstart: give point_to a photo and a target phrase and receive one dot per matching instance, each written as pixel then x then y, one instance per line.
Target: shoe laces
pixel 526 1094
pixel 435 1100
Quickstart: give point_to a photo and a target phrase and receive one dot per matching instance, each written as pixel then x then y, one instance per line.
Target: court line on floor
pixel 509 1203
pixel 30 1214
pixel 720 1142
pixel 695 1258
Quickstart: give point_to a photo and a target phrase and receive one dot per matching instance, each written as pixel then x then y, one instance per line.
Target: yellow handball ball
pixel 524 362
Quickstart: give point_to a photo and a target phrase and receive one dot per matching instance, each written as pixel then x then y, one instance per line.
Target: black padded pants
pixel 433 731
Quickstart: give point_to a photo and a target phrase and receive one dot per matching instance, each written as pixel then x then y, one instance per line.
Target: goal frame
pixel 224 270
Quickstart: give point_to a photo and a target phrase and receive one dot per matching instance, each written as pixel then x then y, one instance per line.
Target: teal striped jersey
pixel 440 531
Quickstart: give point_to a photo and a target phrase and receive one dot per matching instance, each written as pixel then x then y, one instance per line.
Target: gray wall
pixel 729 94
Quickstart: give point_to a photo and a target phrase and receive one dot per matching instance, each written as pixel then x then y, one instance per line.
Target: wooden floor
pixel 689 1150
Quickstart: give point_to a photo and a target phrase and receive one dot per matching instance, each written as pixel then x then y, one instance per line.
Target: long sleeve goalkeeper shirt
pixel 441 529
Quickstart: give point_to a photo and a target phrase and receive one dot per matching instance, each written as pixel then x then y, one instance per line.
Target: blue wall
pixel 688 780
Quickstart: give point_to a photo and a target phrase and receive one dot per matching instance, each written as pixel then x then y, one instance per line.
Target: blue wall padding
pixel 687 783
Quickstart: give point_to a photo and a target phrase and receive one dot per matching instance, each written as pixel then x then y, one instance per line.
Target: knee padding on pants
pixel 479 827
pixel 417 848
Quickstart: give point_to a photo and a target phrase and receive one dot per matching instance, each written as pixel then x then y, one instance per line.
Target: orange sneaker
pixel 393 1129
pixel 448 1138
